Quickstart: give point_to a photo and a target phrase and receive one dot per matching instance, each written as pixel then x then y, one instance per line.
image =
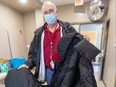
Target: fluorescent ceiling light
pixel 23 1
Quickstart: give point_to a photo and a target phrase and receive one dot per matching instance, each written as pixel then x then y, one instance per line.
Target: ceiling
pixel 29 6
pixel 33 4
pixel 63 2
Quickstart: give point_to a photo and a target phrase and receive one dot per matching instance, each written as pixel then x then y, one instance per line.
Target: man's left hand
pixel 86 37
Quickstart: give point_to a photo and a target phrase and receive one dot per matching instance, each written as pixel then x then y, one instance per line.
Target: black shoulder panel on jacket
pixel 87 49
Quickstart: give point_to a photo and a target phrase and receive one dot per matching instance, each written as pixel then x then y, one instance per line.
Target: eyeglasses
pixel 49 11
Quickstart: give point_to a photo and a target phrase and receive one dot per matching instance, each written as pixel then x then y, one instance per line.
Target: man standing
pixel 43 49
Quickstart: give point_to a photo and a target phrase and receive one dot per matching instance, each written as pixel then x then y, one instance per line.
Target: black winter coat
pixel 21 78
pixel 35 47
pixel 75 68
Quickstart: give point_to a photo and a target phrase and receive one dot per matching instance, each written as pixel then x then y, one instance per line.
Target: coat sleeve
pixel 32 54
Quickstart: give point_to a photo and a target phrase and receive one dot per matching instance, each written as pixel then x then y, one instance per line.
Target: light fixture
pixel 23 1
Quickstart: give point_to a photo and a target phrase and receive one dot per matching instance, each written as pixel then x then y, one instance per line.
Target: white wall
pixel 39 18
pixel 30 26
pixel 110 68
pixel 11 21
pixel 72 14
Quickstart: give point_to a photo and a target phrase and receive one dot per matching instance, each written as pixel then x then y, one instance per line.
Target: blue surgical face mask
pixel 50 19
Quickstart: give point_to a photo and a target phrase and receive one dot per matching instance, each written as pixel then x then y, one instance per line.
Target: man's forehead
pixel 47 7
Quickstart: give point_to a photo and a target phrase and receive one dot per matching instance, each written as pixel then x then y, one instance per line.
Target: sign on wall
pixel 78 2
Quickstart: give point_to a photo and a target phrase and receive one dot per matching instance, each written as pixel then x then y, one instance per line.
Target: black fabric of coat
pixel 35 47
pixel 21 78
pixel 75 68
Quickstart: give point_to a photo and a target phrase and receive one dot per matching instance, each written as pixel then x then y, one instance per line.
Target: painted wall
pixel 12 22
pixel 32 21
pixel 109 74
pixel 39 18
pixel 29 25
pixel 72 14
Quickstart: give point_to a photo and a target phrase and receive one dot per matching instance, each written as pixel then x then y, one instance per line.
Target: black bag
pixel 21 78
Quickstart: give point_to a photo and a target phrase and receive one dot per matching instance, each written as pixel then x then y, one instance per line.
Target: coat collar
pixel 64 44
pixel 64 26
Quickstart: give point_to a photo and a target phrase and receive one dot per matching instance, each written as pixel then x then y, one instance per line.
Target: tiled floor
pixel 2 85
pixel 99 83
pixel 96 72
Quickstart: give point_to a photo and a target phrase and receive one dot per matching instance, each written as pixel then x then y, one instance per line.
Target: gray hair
pixel 48 2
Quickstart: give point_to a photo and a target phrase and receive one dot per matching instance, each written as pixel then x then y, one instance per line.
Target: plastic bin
pixel 4 65
pixel 4 68
pixel 16 62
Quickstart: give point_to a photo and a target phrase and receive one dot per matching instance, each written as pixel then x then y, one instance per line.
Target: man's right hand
pixel 23 66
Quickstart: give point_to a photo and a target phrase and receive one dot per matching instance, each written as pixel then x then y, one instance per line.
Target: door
pixel 103 47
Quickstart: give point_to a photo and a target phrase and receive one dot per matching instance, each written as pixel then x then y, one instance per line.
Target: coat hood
pixel 64 44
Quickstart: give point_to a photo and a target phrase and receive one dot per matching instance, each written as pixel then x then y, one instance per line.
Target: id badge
pixel 52 64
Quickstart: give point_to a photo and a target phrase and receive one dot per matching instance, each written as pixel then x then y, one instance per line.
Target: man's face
pixel 48 9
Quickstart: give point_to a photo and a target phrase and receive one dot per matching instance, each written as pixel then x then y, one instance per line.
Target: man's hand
pixel 23 66
pixel 86 37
